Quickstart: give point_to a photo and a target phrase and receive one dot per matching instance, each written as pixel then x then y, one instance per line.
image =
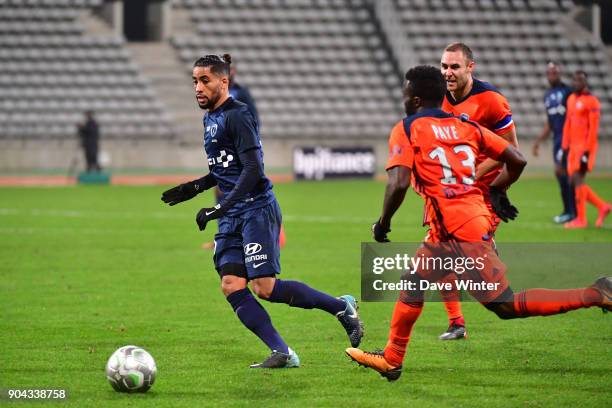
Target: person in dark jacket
pixel 89 135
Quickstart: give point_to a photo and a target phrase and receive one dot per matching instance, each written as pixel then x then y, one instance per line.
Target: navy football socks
pixel 256 319
pixel 298 294
pixel 567 195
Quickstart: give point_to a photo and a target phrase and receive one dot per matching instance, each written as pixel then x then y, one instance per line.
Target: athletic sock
pixel 402 322
pixel 567 194
pixel 256 319
pixel 546 302
pixel 457 321
pixel 581 203
pixel 593 198
pixel 572 197
pixel 453 310
pixel 298 294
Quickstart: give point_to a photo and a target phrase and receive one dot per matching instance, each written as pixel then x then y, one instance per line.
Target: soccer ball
pixel 131 369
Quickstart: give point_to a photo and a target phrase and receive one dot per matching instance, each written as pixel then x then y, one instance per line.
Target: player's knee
pixel 504 311
pixel 231 284
pixel 233 278
pixel 577 179
pixel 263 287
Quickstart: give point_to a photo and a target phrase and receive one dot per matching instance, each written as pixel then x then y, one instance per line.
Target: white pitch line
pixel 41 212
pixel 312 218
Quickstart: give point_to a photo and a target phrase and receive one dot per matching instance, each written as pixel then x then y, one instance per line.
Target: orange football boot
pixel 376 361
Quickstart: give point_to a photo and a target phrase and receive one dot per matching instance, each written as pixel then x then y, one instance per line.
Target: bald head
pixel 553 73
pixel 580 81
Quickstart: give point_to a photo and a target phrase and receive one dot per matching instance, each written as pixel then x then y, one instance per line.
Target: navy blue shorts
pixel 251 239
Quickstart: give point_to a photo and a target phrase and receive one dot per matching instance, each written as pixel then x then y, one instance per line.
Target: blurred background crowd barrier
pixel 323 72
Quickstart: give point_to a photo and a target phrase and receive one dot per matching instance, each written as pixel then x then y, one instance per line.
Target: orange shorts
pixel 476 267
pixel 574 163
pixel 477 229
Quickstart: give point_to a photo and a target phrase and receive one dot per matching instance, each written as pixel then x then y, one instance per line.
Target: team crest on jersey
pixel 212 129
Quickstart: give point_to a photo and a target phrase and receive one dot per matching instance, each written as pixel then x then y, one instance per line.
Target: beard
pixel 210 102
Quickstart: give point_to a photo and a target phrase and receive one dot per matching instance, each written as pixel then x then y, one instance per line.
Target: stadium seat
pixel 81 72
pixel 311 65
pixel 512 41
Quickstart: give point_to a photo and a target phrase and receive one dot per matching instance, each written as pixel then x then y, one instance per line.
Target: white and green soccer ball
pixel 131 369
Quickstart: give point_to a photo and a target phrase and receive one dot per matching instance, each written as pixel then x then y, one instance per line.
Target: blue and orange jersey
pixel 399 154
pixel 441 151
pixel 485 105
pixel 581 123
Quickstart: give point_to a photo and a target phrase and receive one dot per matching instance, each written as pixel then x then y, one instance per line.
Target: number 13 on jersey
pixel 467 170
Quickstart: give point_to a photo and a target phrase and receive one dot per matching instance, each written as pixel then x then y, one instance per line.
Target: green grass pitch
pixel 86 270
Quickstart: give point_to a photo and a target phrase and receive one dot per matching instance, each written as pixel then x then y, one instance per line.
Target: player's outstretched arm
pixel 540 139
pixel 398 181
pixel 565 140
pixel 592 135
pixel 187 191
pixel 514 165
pixel 251 174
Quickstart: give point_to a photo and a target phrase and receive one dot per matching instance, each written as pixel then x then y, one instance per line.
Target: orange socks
pixel 593 198
pixel 584 194
pixel 581 194
pixel 453 310
pixel 546 302
pixel 402 322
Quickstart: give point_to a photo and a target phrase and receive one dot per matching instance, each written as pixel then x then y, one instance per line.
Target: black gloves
pixel 501 204
pixel 209 214
pixel 584 162
pixel 379 232
pixel 180 193
pixel 187 191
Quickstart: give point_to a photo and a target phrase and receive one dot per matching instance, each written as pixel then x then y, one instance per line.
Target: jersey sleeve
pixel 400 151
pixel 593 123
pixel 499 114
pixel 243 128
pixel 569 112
pixel 491 144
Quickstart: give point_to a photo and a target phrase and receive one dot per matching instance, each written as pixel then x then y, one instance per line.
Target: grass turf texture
pixel 86 270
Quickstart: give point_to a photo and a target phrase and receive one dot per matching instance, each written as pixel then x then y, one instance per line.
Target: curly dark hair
pixel 219 64
pixel 427 83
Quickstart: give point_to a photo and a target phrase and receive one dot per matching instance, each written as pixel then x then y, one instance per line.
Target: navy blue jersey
pixel 555 100
pixel 241 93
pixel 229 131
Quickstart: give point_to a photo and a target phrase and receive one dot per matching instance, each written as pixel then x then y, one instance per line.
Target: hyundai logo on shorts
pixel 252 248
